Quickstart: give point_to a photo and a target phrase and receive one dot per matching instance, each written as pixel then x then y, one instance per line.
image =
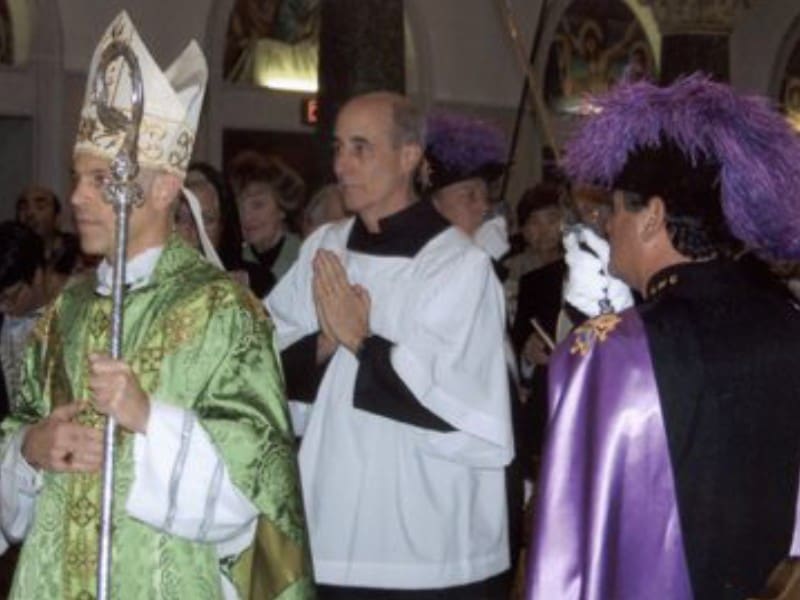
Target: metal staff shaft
pixel 107 497
pixel 123 192
pixel 535 97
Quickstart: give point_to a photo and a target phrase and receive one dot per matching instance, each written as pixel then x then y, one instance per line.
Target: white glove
pixel 589 286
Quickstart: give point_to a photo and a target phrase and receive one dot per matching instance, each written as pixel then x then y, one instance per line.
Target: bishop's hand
pixel 342 308
pixel 115 391
pixel 58 444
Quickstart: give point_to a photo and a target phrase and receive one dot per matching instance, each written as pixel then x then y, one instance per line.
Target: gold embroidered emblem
pixel 83 511
pixel 594 330
pixel 148 361
pixel 152 140
pixel 218 295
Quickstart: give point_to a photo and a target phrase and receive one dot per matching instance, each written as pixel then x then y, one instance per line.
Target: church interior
pixel 278 68
pixel 279 71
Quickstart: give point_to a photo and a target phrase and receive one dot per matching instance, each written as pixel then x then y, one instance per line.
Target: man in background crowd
pixel 39 208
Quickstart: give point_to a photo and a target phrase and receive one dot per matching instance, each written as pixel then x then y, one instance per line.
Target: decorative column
pixel 50 165
pixel 696 35
pixel 361 49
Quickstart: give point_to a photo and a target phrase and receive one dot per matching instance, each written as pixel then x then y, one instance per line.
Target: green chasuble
pixel 197 340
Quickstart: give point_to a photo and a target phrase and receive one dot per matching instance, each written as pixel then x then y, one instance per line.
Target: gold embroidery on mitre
pixel 172 103
pixel 151 141
pixel 117 29
pixel 182 150
pixel 594 330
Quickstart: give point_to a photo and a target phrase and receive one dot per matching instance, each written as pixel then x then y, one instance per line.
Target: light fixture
pixel 289 67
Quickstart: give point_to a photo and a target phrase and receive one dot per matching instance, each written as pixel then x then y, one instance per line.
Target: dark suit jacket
pixel 540 298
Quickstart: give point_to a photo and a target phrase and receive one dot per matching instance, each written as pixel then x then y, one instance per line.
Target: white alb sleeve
pixel 181 484
pixel 451 357
pixel 19 487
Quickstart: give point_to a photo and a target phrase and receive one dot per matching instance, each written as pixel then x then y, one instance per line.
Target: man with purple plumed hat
pixel 465 157
pixel 673 448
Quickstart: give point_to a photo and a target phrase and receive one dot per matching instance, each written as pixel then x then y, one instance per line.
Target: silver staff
pixel 123 192
pixel 538 106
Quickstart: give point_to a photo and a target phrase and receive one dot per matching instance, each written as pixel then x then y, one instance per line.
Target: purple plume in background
pixel 754 146
pixel 460 147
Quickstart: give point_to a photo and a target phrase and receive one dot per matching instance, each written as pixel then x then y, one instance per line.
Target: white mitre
pixel 172 103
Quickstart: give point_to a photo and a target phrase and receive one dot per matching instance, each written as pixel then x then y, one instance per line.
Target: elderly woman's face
pixel 261 215
pixel 464 204
pixel 542 230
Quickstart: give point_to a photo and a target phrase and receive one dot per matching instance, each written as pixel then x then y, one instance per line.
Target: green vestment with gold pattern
pixel 199 341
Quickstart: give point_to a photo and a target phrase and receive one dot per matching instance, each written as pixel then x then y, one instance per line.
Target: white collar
pixel 138 271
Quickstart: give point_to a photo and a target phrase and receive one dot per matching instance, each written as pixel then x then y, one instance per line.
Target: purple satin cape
pixel 606 523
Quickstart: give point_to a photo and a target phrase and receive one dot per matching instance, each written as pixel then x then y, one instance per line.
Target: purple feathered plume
pixel 757 151
pixel 464 144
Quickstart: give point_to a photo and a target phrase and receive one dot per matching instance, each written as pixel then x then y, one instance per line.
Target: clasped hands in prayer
pixel 342 308
pixel 59 443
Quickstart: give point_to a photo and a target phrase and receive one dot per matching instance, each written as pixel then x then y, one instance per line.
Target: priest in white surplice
pixel 391 323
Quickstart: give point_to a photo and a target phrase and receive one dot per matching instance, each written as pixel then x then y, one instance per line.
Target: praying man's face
pixel 373 168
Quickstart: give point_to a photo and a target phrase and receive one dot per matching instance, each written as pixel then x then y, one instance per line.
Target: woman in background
pixel 219 211
pixel 268 193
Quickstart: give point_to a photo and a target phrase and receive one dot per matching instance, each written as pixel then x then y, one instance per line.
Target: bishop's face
pixel 94 216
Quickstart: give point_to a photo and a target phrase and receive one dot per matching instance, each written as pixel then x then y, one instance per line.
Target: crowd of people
pixel 399 388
